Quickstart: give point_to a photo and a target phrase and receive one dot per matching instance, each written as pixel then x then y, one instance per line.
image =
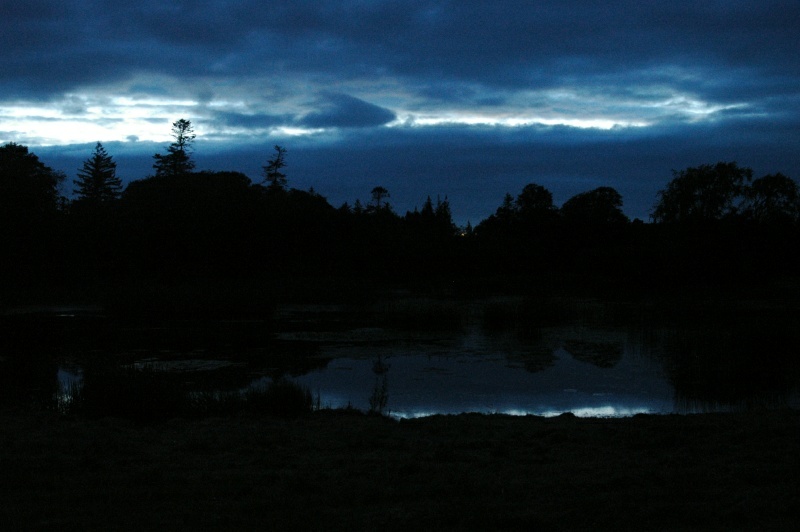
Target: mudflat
pixel 339 470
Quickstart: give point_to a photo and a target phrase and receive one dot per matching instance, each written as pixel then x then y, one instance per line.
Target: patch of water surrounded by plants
pixel 512 356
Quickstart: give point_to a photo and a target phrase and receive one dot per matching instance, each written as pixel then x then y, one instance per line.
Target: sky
pixel 462 99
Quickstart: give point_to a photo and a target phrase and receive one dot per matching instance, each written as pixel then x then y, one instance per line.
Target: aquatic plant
pixel 380 392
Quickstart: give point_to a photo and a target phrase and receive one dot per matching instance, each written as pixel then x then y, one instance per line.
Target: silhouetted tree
pixel 444 217
pixel 593 231
pixel 432 222
pixel 520 218
pixel 601 206
pixel 177 161
pixel 427 209
pixel 535 199
pixel 428 240
pixel 27 186
pixel 499 224
pixel 535 213
pixel 196 224
pixel 498 246
pixel 97 180
pixel 703 193
pixel 379 195
pixel 772 198
pixel 272 171
pixel 508 209
pixel 29 217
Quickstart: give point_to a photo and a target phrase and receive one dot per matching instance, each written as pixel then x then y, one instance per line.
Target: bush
pixel 281 397
pixel 138 394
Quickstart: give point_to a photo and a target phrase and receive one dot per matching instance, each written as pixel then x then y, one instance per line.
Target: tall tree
pixel 703 193
pixel 502 221
pixel 535 199
pixel 177 161
pixel 272 172
pixel 773 198
pixel 508 209
pixel 379 195
pixel 29 221
pixel 535 209
pixel 444 217
pixel 97 181
pixel 27 186
pixel 432 220
pixel 601 206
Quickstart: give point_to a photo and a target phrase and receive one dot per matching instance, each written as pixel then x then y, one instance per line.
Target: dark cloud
pixel 711 81
pixel 254 120
pixel 341 110
pixel 53 45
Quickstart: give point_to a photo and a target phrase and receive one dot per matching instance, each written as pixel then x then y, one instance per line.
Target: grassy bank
pixel 346 471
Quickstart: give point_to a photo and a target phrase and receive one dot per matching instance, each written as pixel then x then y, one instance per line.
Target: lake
pixel 422 357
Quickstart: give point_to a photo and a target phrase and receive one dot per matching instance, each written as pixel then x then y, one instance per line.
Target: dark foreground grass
pixel 346 471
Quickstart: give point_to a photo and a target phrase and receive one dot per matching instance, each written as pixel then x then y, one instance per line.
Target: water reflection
pixel 423 384
pixel 512 359
pixel 70 381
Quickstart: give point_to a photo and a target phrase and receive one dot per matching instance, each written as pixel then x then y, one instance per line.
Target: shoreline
pixel 337 470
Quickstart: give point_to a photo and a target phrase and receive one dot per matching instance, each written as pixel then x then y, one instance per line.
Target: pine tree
pixel 379 195
pixel 177 161
pixel 272 172
pixel 97 180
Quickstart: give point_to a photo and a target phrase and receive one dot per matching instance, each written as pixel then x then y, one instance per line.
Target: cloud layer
pixel 465 98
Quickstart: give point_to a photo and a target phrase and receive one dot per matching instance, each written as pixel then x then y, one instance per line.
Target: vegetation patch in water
pixel 145 395
pixel 601 354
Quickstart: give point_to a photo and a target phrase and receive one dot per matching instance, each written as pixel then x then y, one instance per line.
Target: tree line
pixel 711 222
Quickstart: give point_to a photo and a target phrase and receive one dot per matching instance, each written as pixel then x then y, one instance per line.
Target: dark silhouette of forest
pixel 712 223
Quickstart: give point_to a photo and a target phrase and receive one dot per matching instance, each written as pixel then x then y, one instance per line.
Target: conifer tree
pixel 177 161
pixel 272 172
pixel 379 195
pixel 97 180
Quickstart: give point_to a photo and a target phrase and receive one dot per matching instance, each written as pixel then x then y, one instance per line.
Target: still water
pixel 420 384
pixel 580 363
pixel 473 371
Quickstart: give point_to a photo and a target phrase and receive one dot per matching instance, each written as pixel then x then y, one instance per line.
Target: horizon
pixel 432 98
